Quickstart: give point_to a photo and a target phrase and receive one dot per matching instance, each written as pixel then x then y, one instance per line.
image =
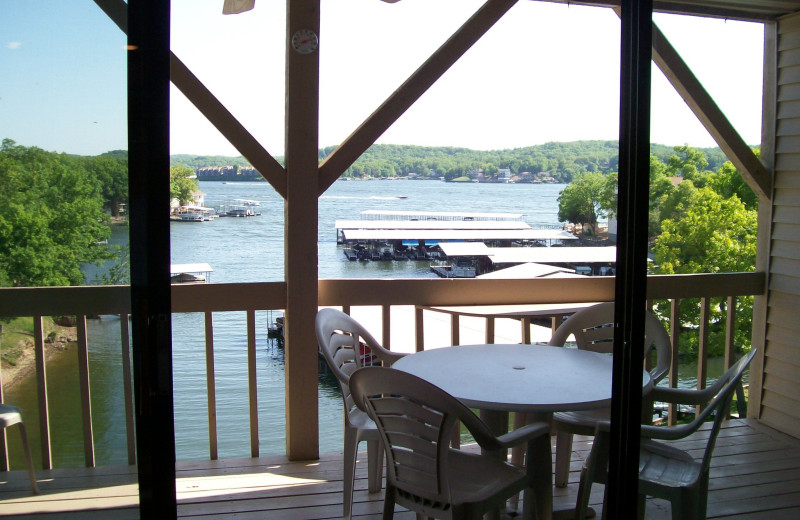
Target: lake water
pixel 247 250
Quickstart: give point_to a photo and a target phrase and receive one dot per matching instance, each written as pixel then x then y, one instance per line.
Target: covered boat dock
pixel 584 260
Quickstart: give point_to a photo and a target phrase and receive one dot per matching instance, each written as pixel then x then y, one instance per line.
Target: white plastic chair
pixel 666 471
pixel 424 474
pixel 9 416
pixel 593 330
pixel 340 340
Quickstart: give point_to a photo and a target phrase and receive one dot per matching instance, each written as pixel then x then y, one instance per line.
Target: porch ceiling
pixel 754 10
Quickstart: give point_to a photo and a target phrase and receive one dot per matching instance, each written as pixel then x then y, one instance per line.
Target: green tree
pixel 580 201
pixel 728 182
pixel 689 163
pixel 181 183
pixel 713 234
pixel 609 194
pixel 51 218
pixel 112 175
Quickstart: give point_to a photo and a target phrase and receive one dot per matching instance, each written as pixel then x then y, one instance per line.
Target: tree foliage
pixel 580 202
pixel 51 217
pixel 701 221
pixel 182 184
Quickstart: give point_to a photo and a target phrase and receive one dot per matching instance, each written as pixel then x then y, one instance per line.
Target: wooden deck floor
pixel 755 475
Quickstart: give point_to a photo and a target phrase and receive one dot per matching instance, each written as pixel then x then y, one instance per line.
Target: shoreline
pixel 11 375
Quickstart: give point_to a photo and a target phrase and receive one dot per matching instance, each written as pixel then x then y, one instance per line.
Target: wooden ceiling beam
pixel 713 119
pixel 745 11
pixel 411 90
pixel 228 125
pixel 210 107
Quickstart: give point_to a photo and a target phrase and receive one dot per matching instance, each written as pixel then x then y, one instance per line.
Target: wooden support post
pixel 301 224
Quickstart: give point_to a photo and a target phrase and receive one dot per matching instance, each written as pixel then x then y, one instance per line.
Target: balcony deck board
pixel 755 474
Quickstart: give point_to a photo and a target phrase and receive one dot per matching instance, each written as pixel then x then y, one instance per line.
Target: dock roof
pixel 457 234
pixel 431 224
pixel 530 270
pixel 372 214
pixel 540 255
pixel 553 255
pixel 190 268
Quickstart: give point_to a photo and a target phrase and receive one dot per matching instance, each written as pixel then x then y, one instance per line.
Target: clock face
pixel 305 41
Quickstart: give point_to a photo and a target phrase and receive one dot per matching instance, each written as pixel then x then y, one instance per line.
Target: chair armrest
pixel 666 433
pixel 680 395
pixel 387 356
pixel 520 435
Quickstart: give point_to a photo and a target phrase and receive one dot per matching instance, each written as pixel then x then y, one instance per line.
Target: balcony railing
pixel 251 297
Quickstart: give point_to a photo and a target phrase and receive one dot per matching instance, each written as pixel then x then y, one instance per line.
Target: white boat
pixel 190 217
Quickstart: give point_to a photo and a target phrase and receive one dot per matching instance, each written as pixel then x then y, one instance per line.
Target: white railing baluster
pixel 41 390
pixel 675 335
pixel 386 326
pixel 211 388
pixel 86 397
pixel 252 383
pixel 702 347
pixel 127 382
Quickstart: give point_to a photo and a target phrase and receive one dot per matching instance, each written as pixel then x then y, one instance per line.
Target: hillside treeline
pixel 562 161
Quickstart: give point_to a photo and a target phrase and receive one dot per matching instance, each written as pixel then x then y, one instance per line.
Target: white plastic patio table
pixel 517 378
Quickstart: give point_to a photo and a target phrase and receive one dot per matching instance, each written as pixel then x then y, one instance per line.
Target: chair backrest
pixel 340 340
pixel 593 328
pixel 416 421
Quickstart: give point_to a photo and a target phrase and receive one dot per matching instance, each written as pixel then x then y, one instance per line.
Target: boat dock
pixel 190 273
pixel 402 235
pixel 598 261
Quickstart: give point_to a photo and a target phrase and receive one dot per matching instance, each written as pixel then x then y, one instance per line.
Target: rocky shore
pixel 59 339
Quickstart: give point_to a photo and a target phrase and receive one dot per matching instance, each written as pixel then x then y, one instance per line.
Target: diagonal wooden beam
pixel 210 107
pixel 228 125
pixel 411 90
pixel 713 119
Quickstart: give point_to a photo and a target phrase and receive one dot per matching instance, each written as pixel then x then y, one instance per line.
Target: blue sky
pixel 546 72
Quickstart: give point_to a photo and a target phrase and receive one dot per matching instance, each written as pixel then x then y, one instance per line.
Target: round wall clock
pixel 305 41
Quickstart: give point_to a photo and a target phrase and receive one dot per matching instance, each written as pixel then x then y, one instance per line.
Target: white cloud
pixel 13 45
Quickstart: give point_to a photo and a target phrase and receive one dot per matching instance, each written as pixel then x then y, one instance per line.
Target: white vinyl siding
pixel 780 404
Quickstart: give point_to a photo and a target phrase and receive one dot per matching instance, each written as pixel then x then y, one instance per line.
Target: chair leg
pixel 375 464
pixel 350 454
pixel 388 503
pixel 584 490
pixel 27 450
pixel 563 457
